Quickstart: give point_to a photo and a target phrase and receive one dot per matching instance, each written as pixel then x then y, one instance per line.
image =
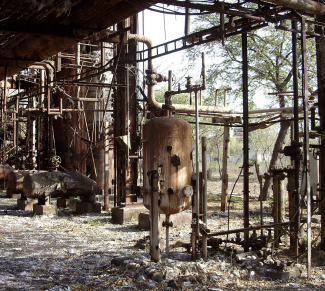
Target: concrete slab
pixel 127 213
pixel 88 207
pixel 177 219
pixel 26 204
pixel 14 196
pixel 45 209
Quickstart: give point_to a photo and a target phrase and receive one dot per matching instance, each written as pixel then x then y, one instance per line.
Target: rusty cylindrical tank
pixel 167 148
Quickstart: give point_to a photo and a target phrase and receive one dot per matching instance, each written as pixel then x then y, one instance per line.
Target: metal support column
pixel 245 141
pixel 154 217
pixel 296 134
pixel 204 195
pixel 306 172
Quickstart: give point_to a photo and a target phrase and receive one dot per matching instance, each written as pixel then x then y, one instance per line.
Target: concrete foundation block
pixel 64 203
pixel 177 219
pixel 88 207
pixel 127 213
pixel 144 222
pixel 26 204
pixel 14 196
pixel 47 209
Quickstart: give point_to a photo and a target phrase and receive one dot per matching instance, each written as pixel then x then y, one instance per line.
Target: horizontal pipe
pixel 224 232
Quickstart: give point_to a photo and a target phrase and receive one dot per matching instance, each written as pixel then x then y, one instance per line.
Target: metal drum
pixel 167 147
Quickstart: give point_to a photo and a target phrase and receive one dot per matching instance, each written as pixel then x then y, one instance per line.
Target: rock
pixel 131 288
pixel 294 285
pixel 214 278
pixel 172 273
pixel 120 261
pixel 172 284
pixel 23 274
pixel 60 288
pixel 187 284
pixel 132 266
pixel 201 267
pixel 155 275
pixel 236 273
pixel 251 275
pixel 141 278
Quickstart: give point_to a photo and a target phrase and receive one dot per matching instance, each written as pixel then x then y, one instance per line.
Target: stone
pixel 172 284
pixel 251 275
pixel 236 273
pixel 120 261
pixel 171 273
pixel 141 278
pixel 201 267
pixel 294 285
pixel 282 275
pixel 45 209
pixel 60 288
pixel 128 288
pixel 132 266
pixel 155 275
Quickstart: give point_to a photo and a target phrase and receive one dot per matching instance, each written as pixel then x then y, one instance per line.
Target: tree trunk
pixel 277 146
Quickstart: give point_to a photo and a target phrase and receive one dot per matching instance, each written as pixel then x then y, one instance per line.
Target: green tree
pixel 269 65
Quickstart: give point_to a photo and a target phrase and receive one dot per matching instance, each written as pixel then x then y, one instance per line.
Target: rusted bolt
pixel 169 148
pixel 170 191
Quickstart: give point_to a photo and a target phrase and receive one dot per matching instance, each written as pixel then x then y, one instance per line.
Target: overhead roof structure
pixel 35 30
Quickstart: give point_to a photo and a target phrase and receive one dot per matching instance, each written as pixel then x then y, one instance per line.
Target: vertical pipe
pixel 187 20
pixel 216 97
pixel 225 166
pixel 281 205
pixel 4 118
pixel 276 209
pixel 127 111
pixel 167 233
pixel 306 171
pixel 204 194
pixel 197 164
pixel 106 167
pixel 245 141
pixel 320 53
pixel 296 133
pixel 170 80
pixel 196 200
pixel 77 56
pixel 154 218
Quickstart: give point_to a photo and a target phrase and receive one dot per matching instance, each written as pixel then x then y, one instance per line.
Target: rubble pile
pixel 89 252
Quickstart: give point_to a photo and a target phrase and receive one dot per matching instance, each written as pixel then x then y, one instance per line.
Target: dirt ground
pixel 89 252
